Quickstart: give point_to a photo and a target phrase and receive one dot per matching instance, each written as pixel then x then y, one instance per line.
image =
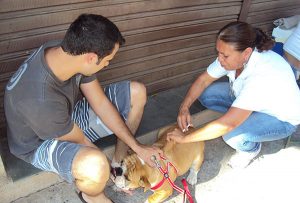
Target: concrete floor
pixel 273 177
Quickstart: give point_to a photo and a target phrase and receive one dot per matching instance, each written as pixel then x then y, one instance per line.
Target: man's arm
pixel 112 119
pixel 76 136
pixel 107 112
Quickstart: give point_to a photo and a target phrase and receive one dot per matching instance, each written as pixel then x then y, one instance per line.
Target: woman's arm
pixel 226 123
pixel 200 84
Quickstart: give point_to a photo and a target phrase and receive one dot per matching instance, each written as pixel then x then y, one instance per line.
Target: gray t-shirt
pixel 38 106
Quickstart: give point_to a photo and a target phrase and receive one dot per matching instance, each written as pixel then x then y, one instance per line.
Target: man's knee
pixel 90 169
pixel 138 92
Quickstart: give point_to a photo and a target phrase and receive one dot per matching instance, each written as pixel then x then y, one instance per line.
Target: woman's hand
pixel 184 118
pixel 176 135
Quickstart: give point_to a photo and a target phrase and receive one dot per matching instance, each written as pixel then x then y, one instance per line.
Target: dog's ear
pixel 130 161
pixel 144 183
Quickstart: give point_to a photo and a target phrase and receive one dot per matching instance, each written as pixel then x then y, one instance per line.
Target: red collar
pixel 165 173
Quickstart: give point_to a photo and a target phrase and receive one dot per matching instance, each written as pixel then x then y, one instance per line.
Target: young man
pixel 51 129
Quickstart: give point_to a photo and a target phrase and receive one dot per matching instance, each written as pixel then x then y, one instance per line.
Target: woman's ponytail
pixel 263 42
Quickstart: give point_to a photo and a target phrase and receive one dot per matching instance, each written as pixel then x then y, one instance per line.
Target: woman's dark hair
pixel 242 35
pixel 92 33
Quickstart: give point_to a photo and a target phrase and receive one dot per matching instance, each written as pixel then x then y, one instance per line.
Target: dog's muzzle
pixel 117 171
pixel 118 177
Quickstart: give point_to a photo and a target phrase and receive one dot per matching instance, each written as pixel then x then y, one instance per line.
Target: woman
pixel 260 103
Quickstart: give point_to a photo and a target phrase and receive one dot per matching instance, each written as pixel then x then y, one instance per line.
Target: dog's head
pixel 131 174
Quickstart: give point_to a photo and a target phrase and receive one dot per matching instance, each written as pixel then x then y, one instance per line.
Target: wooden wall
pixel 168 42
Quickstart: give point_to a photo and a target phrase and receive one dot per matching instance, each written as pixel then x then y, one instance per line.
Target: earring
pixel 245 64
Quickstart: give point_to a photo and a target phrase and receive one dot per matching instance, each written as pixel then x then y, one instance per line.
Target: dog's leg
pixel 192 177
pixel 160 195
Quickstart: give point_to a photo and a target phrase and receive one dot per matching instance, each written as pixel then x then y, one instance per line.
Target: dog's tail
pixel 165 145
pixel 162 131
pixel 162 142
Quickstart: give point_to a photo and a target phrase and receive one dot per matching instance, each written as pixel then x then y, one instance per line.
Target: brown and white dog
pixel 135 173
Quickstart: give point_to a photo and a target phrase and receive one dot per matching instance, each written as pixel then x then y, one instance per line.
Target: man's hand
pixel 176 135
pixel 146 152
pixel 184 118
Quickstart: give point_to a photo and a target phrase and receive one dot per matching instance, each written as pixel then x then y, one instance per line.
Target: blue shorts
pixel 57 156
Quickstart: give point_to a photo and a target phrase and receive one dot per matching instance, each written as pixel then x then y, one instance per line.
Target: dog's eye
pixel 126 177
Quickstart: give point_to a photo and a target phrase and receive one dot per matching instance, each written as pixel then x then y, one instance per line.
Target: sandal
pixel 81 198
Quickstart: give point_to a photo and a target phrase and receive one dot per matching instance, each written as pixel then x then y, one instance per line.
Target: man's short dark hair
pixel 92 33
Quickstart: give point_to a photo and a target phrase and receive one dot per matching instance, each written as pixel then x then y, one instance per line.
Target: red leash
pixel 166 176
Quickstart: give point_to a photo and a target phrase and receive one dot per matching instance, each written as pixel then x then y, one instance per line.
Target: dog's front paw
pixel 192 177
pixel 116 189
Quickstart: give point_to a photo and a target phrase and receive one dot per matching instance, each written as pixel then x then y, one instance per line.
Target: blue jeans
pixel 259 127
